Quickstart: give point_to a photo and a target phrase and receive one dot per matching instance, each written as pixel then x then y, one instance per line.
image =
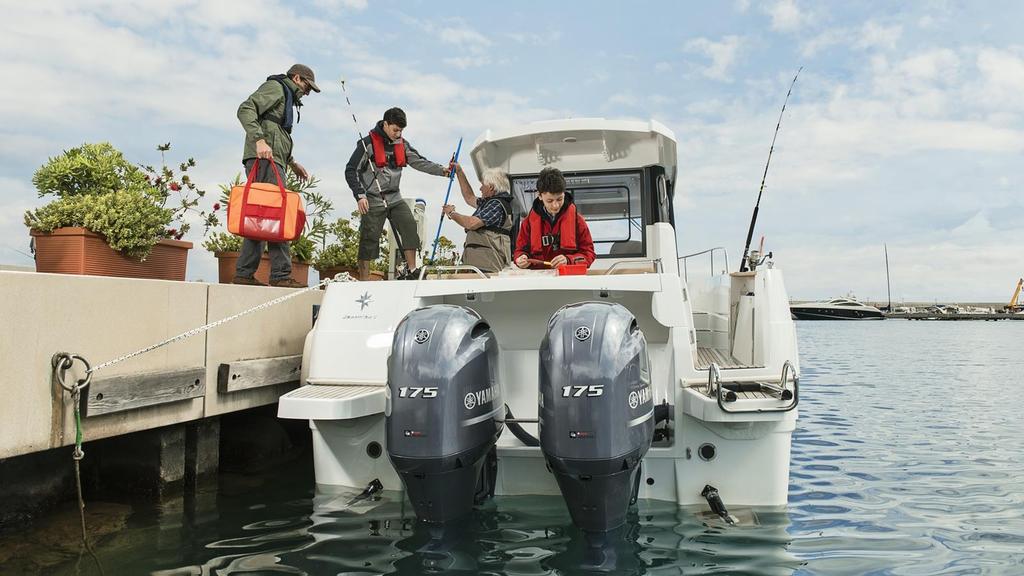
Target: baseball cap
pixel 306 73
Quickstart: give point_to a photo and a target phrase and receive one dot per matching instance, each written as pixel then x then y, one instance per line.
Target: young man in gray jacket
pixel 374 173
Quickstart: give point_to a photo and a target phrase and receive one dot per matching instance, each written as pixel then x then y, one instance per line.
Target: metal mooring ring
pixel 63 362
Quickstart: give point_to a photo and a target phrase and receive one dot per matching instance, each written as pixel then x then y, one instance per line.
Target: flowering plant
pixel 182 193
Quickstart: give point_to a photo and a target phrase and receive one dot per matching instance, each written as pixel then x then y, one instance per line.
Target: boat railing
pixel 709 251
pixel 656 263
pixel 457 268
pixel 722 392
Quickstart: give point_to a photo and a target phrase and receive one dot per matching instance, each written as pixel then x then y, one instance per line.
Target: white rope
pixel 343 277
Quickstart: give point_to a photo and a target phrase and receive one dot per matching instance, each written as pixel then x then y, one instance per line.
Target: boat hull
pixel 835 314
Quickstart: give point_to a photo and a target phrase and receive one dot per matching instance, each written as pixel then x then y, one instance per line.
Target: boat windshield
pixel 610 203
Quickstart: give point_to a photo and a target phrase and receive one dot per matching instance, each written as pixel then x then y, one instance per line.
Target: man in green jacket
pixel 267 117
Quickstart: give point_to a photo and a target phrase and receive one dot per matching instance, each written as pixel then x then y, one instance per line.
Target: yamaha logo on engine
pixel 582 333
pixel 422 335
pixel 638 397
pixel 474 399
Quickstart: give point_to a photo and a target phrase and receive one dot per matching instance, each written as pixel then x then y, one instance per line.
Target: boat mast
pixel 888 293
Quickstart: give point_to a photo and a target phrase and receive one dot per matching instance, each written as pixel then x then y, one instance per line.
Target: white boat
pixel 848 308
pixel 722 353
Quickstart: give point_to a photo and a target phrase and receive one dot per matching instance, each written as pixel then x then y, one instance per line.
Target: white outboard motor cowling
pixel 596 410
pixel 443 408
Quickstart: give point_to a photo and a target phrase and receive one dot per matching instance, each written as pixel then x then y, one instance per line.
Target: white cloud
pixel 1002 79
pixel 722 55
pixel 869 36
pixel 335 4
pixel 466 62
pixel 463 36
pixel 975 226
pixel 787 16
pixel 873 34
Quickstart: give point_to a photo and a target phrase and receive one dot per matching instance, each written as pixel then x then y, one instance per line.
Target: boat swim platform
pixel 725 360
pixel 243 364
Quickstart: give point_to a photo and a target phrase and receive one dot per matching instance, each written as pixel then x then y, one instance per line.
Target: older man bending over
pixel 489 228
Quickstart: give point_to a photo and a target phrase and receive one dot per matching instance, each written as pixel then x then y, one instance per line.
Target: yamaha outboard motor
pixel 596 410
pixel 443 408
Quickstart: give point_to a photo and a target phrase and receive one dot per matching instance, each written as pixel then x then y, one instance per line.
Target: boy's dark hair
pixel 395 116
pixel 550 180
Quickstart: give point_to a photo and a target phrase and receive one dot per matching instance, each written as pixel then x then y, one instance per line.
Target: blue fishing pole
pixel 451 178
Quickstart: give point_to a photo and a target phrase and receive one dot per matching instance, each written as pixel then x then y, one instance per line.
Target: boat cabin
pixel 621 175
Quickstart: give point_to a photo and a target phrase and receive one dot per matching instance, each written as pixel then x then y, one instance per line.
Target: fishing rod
pixel 362 141
pixel 451 178
pixel 753 218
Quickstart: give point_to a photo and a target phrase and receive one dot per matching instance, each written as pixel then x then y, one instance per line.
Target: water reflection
pixel 510 536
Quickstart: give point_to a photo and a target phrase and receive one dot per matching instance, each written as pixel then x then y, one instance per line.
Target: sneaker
pixel 246 281
pixel 413 274
pixel 287 283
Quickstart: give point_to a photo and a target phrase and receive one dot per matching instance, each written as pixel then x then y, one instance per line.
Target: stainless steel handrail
pixel 714 378
pixel 781 391
pixel 709 250
pixel 425 268
pixel 656 261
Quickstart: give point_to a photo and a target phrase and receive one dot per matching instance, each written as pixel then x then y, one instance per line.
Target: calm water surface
pixel 907 459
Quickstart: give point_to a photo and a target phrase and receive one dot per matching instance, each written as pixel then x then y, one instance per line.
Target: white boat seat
pixel 331 402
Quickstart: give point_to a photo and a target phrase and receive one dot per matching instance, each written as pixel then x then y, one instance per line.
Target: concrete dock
pixel 160 409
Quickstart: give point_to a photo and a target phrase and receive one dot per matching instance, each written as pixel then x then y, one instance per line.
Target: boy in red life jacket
pixel 553 233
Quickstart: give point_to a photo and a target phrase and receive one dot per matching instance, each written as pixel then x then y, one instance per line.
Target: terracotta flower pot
pixel 228 261
pixel 79 251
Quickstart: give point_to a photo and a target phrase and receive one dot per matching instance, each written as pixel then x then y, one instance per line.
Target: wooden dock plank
pixel 120 393
pixel 248 374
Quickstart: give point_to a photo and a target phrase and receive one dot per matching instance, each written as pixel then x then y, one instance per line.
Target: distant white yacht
pixel 847 308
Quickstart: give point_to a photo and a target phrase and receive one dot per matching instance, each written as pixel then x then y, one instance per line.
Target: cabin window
pixel 664 205
pixel 610 203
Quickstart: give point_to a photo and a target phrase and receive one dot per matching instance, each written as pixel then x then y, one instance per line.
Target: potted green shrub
pixel 341 253
pixel 111 217
pixel 227 247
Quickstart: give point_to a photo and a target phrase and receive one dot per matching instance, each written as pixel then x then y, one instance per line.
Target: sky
pixel 905 128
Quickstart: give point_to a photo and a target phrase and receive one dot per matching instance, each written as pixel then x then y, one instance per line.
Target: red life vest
pixel 379 158
pixel 564 239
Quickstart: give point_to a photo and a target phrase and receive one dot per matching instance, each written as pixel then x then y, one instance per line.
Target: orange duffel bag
pixel 263 211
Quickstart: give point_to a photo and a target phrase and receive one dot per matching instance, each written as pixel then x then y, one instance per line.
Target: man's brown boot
pixel 286 283
pixel 246 281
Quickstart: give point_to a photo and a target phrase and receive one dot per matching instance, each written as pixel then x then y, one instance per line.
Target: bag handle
pixel 252 176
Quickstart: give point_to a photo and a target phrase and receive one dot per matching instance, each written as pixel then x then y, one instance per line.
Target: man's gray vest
pixel 490 248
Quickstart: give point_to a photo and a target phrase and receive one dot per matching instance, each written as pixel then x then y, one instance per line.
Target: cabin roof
pixel 576 144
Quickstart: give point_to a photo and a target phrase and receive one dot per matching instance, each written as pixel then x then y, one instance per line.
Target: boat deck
pixel 725 360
